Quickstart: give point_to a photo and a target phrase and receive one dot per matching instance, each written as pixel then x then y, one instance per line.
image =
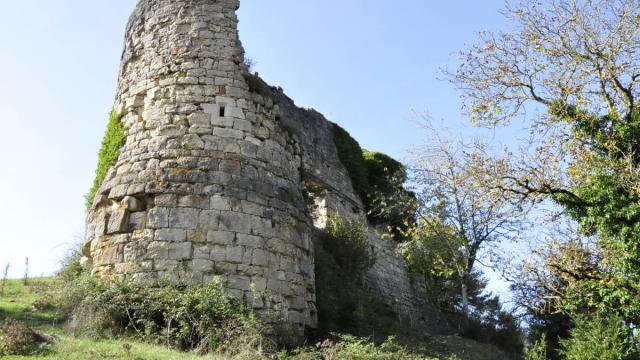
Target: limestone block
pixel 201 252
pixel 166 265
pixel 183 218
pixel 118 221
pixel 137 220
pixel 180 251
pixel 297 303
pixel 222 122
pixel 132 204
pixel 158 217
pixel 201 265
pixel 260 257
pixel 239 282
pixel 241 124
pixel 209 220
pixel 199 119
pixel 252 208
pixel 220 203
pixel 171 235
pixel 218 253
pixel 158 250
pixel 236 222
pixel 166 200
pixel 260 283
pixel 192 141
pixel 261 226
pixel 296 317
pixel 220 237
pixel 250 241
pixel 196 201
pixel 235 254
pixel 197 236
pixel 228 133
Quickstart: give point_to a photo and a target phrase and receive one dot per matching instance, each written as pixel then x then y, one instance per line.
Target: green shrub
pixel 378 180
pixel 182 315
pixel 350 155
pixel 16 338
pixel 113 140
pixel 341 259
pixel 347 242
pixel 348 347
pixel 599 338
pixel 257 85
pixel 380 167
pixel 538 350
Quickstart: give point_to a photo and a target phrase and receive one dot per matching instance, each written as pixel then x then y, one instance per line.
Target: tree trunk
pixel 465 302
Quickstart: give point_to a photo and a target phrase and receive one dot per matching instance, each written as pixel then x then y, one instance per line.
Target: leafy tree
pixel 458 221
pixel 578 63
pixel 599 338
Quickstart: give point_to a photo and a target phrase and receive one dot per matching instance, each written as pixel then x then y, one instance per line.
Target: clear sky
pixel 366 64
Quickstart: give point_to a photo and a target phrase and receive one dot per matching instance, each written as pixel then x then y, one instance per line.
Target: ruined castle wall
pixel 388 279
pixel 208 183
pixel 210 180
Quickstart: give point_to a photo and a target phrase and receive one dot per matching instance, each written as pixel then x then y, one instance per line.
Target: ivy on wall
pixel 114 138
pixel 378 179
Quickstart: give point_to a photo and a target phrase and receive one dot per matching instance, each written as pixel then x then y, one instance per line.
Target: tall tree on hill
pixel 459 222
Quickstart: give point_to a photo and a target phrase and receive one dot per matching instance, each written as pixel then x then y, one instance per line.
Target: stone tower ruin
pixel 210 179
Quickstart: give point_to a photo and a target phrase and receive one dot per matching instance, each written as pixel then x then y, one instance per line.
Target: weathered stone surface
pixel 180 251
pixel 210 182
pixel 118 221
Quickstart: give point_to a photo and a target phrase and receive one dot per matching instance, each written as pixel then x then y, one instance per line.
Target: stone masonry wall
pixel 388 278
pixel 207 182
pixel 210 181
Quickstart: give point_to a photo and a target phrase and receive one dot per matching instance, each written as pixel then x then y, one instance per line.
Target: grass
pixel 17 304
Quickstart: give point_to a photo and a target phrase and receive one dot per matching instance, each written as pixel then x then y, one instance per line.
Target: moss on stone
pixel 350 154
pixel 114 138
pixel 377 178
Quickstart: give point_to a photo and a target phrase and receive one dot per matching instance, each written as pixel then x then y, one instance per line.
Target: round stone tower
pixel 208 182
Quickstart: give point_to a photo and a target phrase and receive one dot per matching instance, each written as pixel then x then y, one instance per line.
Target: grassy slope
pixel 17 304
pixel 18 300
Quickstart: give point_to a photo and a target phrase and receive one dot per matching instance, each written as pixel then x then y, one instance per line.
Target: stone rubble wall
pixel 210 181
pixel 207 183
pixel 389 279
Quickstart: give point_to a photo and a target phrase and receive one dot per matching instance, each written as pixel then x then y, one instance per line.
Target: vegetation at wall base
pixel 114 138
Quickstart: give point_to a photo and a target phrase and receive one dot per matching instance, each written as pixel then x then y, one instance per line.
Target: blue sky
pixel 366 64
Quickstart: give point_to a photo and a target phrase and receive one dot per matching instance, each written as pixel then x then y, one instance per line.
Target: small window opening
pixel 222 110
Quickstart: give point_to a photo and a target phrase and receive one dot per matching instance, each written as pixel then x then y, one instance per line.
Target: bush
pixel 350 155
pixel 341 259
pixel 113 140
pixel 537 351
pixel 378 180
pixel 352 348
pixel 16 338
pixel 185 316
pixel 257 85
pixel 599 338
pixel 347 242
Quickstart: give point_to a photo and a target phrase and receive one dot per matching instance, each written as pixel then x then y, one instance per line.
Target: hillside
pixel 21 302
